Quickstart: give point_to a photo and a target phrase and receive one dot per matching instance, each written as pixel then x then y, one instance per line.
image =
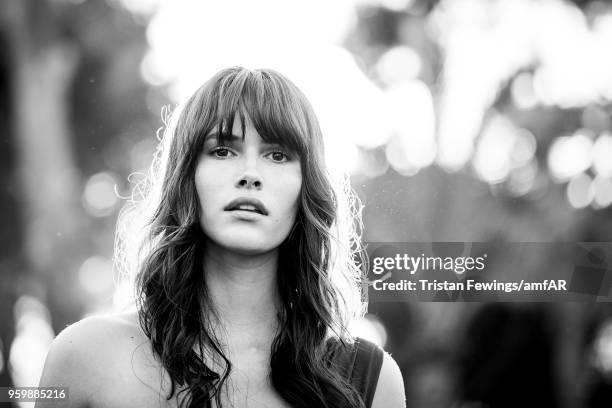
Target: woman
pixel 246 277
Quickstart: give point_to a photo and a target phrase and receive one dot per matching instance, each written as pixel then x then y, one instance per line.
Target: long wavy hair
pixel 160 246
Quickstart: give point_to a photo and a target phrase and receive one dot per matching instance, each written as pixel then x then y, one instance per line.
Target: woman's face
pixel 248 191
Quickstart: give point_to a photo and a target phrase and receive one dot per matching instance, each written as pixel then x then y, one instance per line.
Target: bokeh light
pixel 603 192
pixel 580 191
pixel 603 347
pixel 100 197
pixel 398 64
pixel 411 121
pixel 501 148
pixel 602 155
pixel 569 156
pixel 178 27
pixel 522 179
pixel 95 275
pixel 2 351
pixel 522 91
pixel 141 153
pixel 33 337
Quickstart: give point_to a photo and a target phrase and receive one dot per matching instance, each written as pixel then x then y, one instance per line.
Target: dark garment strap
pixel 365 371
pixel 359 363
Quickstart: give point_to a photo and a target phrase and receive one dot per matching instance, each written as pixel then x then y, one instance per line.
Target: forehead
pixel 242 124
pixel 239 133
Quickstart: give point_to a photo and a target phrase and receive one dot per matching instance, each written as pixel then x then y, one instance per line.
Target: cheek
pixel 284 195
pixel 292 189
pixel 294 198
pixel 200 185
pixel 206 187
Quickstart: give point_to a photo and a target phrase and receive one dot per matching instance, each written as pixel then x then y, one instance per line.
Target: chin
pixel 248 245
pixel 246 249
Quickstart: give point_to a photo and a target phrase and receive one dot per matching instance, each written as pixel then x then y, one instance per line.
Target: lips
pixel 247 204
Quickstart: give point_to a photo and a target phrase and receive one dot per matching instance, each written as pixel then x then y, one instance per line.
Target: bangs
pixel 276 110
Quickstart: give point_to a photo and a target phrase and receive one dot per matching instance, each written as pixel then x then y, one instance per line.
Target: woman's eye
pixel 279 156
pixel 221 152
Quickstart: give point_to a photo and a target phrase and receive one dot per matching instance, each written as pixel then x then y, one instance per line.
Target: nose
pixel 250 177
pixel 249 181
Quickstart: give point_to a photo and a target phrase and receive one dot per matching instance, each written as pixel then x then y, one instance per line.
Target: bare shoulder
pixel 390 388
pixel 94 355
pixel 95 334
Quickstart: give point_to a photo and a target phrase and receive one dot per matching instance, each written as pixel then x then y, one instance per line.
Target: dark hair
pixel 318 302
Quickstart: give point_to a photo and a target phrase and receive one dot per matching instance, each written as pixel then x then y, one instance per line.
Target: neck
pixel 243 292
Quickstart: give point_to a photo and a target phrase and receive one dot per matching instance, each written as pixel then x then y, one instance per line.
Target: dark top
pixel 360 364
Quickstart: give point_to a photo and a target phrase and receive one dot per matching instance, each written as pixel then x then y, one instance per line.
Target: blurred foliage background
pixel 464 120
